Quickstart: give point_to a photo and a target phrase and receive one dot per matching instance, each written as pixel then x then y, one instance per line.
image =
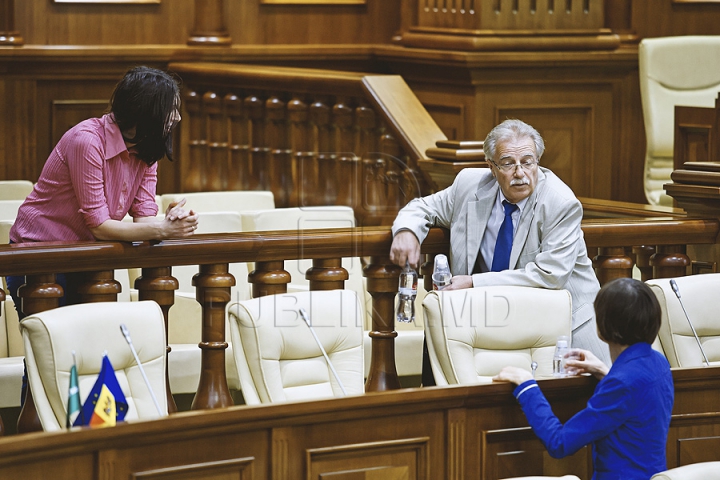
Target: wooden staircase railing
pixel 312 137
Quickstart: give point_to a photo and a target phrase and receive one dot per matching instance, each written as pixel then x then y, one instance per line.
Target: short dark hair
pixel 627 312
pixel 146 98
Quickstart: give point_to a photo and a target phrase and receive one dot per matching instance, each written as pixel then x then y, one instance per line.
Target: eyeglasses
pixel 508 167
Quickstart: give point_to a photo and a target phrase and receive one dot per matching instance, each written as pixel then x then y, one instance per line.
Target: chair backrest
pixel 279 360
pixel 472 334
pixel 306 218
pixel 15 189
pixel 89 330
pixel 699 294
pixel 673 71
pixel 236 200
pixel 694 471
pixel 9 209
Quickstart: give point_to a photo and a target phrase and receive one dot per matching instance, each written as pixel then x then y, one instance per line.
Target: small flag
pixel 106 403
pixel 73 406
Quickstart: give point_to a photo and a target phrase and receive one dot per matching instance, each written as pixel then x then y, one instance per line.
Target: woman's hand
pixel 175 211
pixel 180 227
pixel 579 361
pixel 514 375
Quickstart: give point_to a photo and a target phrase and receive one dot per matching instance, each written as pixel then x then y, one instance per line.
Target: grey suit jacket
pixel 548 247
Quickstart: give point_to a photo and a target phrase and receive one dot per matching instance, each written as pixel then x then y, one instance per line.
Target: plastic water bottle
pixel 407 291
pixel 441 273
pixel 561 348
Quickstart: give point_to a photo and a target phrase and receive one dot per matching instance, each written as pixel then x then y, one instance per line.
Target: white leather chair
pixel 472 334
pixel 11 354
pixel 694 471
pixel 9 209
pixel 699 294
pixel 15 189
pixel 277 357
pixel 235 200
pixel 90 330
pixel 673 71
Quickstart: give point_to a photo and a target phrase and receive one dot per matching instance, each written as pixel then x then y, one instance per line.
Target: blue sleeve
pixel 606 410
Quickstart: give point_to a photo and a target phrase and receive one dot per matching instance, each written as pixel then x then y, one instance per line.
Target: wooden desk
pixel 455 433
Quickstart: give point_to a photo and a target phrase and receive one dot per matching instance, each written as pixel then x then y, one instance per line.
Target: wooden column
pixel 642 260
pixel 327 274
pixel 382 284
pixel 210 29
pixel 212 285
pixel 269 278
pixel 159 285
pixel 281 169
pixel 612 263
pixel 301 139
pixel 670 261
pixel 216 135
pixel 8 34
pixel 195 122
pixel 239 162
pixel 327 166
pixel 618 18
pixel 259 152
pixel 99 286
pixel 39 293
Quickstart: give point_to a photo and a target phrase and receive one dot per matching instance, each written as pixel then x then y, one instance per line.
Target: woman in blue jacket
pixel 627 419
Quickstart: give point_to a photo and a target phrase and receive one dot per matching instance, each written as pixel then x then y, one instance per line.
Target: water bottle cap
pixel 441 263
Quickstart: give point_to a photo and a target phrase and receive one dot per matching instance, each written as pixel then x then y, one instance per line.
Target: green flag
pixel 73 407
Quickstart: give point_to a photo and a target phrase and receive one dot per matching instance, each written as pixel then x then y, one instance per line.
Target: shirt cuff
pixel 524 387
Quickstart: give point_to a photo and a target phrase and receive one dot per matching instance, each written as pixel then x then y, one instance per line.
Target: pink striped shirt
pixel 90 177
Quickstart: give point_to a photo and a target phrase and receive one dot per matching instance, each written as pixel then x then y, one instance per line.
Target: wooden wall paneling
pixel 651 18
pixel 20 131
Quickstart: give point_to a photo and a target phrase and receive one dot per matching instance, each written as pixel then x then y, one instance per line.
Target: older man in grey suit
pixel 542 224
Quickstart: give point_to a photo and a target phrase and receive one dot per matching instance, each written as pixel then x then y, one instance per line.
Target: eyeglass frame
pixel 512 167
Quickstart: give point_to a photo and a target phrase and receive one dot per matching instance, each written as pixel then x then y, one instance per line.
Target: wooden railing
pixel 312 137
pixel 658 246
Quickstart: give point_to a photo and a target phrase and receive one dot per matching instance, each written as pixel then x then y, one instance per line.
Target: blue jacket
pixel 626 420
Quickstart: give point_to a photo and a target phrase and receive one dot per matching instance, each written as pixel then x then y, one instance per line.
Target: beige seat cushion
pixel 699 294
pixel 472 334
pixel 236 200
pixel 15 189
pixel 279 360
pixel 694 471
pixel 90 330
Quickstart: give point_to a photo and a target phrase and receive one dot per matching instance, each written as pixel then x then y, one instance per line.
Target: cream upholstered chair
pixel 472 334
pixel 89 330
pixel 673 71
pixel 9 209
pixel 694 471
pixel 277 357
pixel 408 345
pixel 699 294
pixel 235 200
pixel 15 189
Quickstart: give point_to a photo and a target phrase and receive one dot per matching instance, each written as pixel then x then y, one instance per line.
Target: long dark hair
pixel 146 98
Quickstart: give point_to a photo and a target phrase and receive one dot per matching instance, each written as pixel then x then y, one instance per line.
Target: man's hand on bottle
pixel 405 248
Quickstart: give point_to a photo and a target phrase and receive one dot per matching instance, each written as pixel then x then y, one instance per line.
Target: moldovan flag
pixel 106 404
pixel 73 407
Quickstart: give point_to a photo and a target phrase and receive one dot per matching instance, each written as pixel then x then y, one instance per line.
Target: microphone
pixel 676 289
pixel 304 316
pixel 126 334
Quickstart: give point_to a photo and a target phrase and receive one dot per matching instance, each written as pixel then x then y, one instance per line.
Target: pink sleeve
pixel 85 160
pixel 144 204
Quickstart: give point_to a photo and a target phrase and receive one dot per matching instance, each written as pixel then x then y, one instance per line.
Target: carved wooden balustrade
pixel 312 137
pixel 618 242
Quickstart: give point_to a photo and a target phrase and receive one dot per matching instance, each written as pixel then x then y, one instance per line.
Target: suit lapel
pixel 478 214
pixel 526 220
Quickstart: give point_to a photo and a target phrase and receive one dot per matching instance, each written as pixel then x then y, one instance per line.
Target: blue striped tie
pixel 503 245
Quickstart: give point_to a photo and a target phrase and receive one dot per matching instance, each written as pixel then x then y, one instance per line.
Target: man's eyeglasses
pixel 508 167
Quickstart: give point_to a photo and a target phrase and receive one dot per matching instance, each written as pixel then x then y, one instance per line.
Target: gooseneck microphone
pixel 676 289
pixel 304 316
pixel 126 334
